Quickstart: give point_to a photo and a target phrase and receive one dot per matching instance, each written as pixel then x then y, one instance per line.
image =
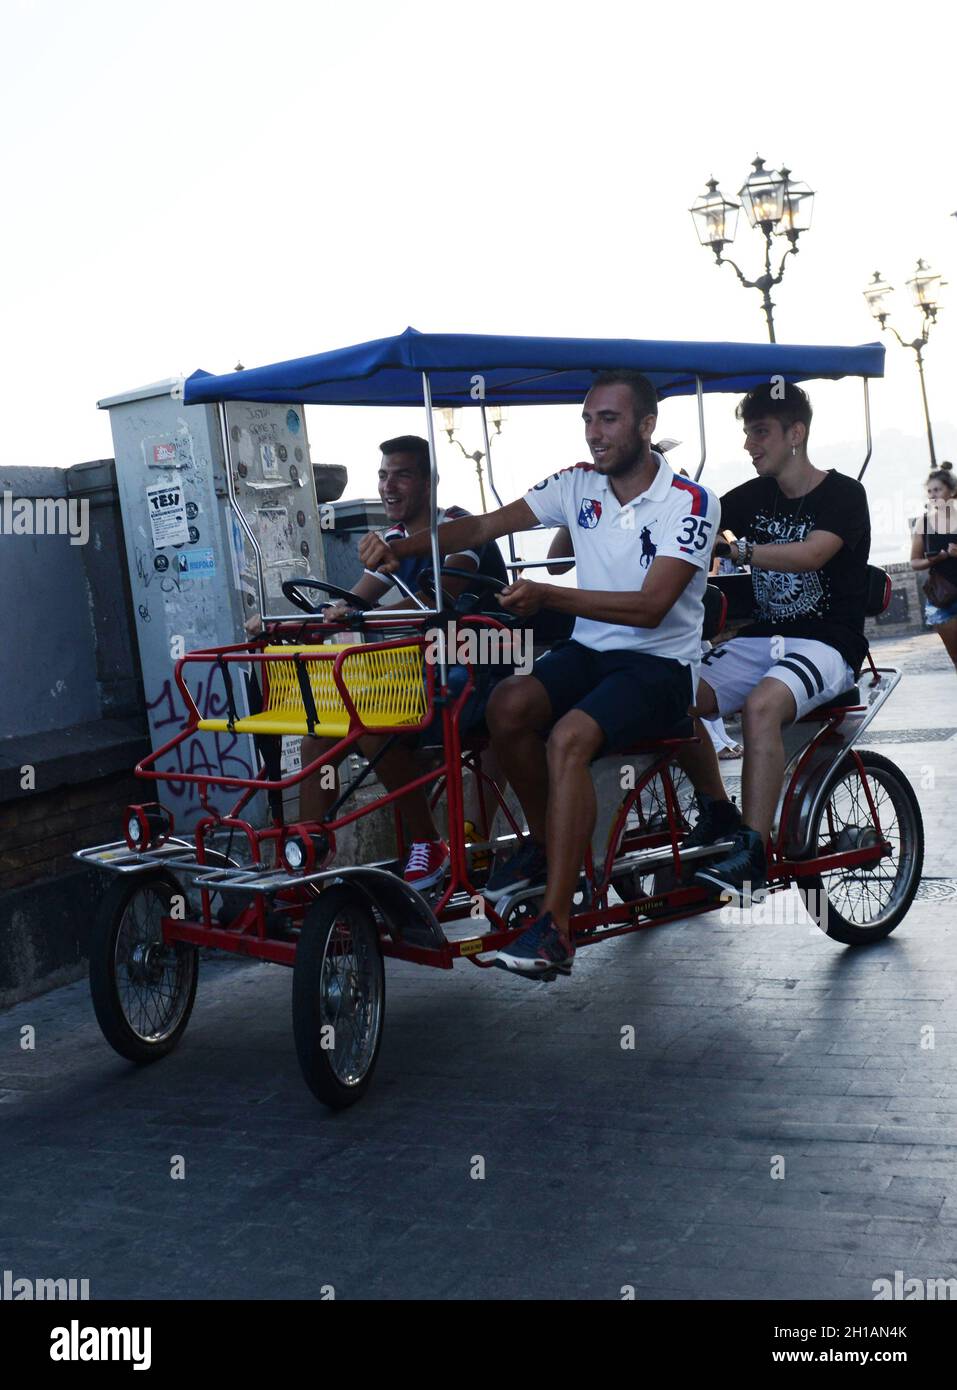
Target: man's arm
pixel 465 533
pixel 667 579
pixel 797 557
pixel 560 547
pixel 371 587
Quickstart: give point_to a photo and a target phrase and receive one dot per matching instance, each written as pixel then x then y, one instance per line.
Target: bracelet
pixel 744 549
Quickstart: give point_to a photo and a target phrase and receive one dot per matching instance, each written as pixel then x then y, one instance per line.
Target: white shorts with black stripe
pixel 813 672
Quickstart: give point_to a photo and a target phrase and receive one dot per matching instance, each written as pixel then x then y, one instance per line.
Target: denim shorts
pixel 933 617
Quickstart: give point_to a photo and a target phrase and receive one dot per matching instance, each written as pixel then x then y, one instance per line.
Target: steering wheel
pixel 291 590
pixel 478 584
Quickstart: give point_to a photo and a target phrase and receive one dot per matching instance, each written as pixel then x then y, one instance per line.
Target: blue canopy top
pixel 521 371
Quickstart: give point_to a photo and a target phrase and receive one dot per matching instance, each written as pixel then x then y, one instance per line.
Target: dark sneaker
pixel 741 876
pixel 538 952
pixel 717 820
pixel 527 866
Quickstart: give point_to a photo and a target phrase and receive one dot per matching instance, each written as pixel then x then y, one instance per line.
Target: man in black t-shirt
pixel 806 535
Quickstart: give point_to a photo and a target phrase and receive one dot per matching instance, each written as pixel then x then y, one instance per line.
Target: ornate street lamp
pixel 496 415
pixel 925 286
pixel 774 203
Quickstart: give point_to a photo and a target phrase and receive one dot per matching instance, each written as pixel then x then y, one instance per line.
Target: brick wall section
pixel 40 831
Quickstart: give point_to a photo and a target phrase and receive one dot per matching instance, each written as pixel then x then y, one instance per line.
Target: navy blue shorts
pixel 472 718
pixel 630 695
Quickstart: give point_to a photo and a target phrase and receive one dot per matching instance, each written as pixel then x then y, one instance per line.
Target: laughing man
pixel 643 540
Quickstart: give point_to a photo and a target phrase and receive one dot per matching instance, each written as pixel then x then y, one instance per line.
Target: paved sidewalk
pixel 603 1167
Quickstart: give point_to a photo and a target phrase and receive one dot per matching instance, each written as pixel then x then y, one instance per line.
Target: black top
pixel 825 605
pixel 934 543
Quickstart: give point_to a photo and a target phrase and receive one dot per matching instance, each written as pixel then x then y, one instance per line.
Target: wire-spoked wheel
pixel 864 903
pixel 648 815
pixel 338 997
pixel 143 990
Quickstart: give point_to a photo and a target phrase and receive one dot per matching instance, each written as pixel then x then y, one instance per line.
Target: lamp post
pixel 496 415
pixel 775 203
pixel 925 286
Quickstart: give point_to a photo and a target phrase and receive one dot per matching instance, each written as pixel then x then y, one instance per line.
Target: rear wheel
pixel 338 997
pixel 143 990
pixel 647 816
pixel 862 904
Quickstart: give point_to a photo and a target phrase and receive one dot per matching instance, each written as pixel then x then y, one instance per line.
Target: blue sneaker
pixel 539 952
pixel 740 877
pixel 527 866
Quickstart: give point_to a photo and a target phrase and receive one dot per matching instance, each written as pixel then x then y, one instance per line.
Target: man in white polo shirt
pixel 643 540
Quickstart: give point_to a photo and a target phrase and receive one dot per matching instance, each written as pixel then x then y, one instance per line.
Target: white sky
pixel 189 184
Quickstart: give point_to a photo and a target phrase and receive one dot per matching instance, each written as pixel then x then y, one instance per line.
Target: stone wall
pixel 905 615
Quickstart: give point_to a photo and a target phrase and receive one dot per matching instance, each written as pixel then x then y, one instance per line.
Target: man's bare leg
pixel 572 809
pixel 700 760
pixel 518 709
pixel 395 770
pixel 315 798
pixel 766 710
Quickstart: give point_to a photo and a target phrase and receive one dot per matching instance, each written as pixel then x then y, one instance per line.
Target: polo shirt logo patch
pixel 648 548
pixel 589 514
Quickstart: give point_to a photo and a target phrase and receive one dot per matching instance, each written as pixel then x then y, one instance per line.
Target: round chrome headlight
pixel 294 854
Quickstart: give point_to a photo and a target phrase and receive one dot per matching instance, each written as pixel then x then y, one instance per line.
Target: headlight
pixel 301 851
pixel 294 854
pixel 147 827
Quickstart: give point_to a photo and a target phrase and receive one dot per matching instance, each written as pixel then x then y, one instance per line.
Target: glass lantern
pixel 877 294
pixel 715 217
pixel 925 287
pixel 763 195
pixel 796 208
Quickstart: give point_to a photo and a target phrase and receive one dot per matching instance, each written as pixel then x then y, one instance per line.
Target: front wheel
pixel 143 990
pixel 865 903
pixel 338 997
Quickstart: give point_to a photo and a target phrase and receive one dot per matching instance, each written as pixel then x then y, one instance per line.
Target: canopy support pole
pixel 704 446
pixel 434 525
pixel 491 477
pixel 867 426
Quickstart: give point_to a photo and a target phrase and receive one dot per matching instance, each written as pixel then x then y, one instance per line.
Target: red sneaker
pixel 427 863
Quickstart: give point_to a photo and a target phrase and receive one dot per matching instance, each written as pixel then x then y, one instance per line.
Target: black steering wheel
pixel 477 585
pixel 291 590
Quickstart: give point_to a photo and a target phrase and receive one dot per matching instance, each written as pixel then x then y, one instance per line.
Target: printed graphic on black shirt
pixel 781 597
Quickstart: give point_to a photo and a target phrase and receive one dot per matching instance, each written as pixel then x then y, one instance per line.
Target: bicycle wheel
pixel 338 997
pixel 143 991
pixel 651 814
pixel 865 903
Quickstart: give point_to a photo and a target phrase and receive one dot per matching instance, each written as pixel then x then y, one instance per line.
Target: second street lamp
pixel 773 202
pixel 495 416
pixel 925 286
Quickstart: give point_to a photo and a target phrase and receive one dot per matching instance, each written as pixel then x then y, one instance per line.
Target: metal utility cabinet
pixel 191 553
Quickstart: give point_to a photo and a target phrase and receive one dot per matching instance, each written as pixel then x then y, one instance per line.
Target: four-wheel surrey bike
pixel 848 832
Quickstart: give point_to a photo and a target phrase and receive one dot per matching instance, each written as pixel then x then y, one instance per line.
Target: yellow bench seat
pixel 385 684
